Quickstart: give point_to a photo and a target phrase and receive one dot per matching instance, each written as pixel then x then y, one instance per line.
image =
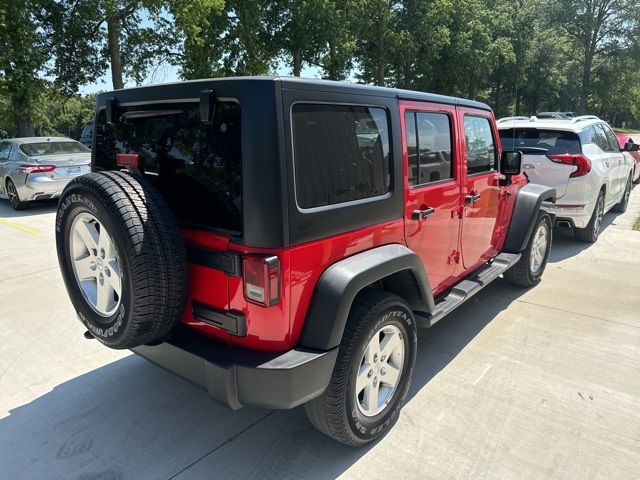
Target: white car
pixel 37 168
pixel 579 157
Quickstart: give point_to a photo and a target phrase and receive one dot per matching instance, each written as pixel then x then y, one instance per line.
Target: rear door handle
pixel 422 214
pixel 470 199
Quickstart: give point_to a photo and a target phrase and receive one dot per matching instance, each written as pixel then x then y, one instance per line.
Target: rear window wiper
pixel 140 114
pixel 531 149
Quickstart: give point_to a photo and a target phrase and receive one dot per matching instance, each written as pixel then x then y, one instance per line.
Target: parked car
pixel 316 240
pixel 37 168
pixel 626 144
pixel 581 159
pixel 87 134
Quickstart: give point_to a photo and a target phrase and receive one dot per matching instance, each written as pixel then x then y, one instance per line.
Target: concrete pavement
pixel 541 383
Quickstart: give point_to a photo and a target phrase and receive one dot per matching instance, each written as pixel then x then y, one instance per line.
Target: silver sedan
pixel 37 168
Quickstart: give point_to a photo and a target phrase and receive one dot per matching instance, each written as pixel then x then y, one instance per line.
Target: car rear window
pixel 40 149
pixel 341 153
pixel 197 167
pixel 536 141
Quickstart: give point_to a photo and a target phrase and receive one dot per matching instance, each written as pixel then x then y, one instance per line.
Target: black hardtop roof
pixel 310 84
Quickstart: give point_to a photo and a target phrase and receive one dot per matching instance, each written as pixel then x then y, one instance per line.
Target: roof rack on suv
pixel 507 119
pixel 582 118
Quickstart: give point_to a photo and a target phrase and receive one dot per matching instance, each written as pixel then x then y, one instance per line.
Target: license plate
pixel 73 170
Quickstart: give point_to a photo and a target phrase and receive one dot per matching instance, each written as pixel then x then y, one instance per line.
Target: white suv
pixel 579 157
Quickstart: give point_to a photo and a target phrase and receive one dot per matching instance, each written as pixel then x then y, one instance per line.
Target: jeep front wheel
pixel 528 271
pixel 372 373
pixel 122 258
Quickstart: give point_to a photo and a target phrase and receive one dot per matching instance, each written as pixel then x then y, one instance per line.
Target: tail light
pixel 261 280
pixel 36 168
pixel 580 161
pixel 129 160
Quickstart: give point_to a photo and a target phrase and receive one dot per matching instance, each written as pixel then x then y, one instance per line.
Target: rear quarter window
pixel 537 141
pixel 341 153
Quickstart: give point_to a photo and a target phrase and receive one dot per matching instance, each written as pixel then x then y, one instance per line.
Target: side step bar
pixel 466 289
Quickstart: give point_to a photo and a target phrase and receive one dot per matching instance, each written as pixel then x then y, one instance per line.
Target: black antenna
pixel 513 143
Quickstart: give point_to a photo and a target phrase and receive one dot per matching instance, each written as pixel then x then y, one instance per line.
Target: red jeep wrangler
pixel 277 241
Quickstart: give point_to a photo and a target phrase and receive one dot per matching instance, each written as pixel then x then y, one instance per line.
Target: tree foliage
pixel 520 56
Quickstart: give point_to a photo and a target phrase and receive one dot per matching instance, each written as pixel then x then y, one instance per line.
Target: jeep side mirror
pixel 511 163
pixel 208 99
pixel 631 147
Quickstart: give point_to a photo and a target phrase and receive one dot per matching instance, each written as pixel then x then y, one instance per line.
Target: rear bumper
pixel 577 216
pixel 40 187
pixel 236 376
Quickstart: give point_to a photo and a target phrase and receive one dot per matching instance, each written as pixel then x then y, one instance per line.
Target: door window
pixel 600 139
pixel 480 147
pixel 428 147
pixel 611 137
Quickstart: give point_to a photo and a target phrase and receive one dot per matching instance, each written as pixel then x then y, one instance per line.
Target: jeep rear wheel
pixel 122 258
pixel 372 373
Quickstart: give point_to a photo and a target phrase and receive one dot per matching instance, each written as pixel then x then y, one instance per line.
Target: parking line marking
pixel 22 228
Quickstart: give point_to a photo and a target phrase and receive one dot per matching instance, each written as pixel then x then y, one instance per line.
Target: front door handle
pixel 422 214
pixel 471 199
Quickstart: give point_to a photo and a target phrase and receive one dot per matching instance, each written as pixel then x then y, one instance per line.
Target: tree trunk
pixel 380 70
pixel 297 63
pixel 113 34
pixel 498 100
pixel 23 122
pixel 586 82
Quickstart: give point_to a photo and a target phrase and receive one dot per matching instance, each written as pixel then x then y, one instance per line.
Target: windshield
pixel 41 149
pixel 537 141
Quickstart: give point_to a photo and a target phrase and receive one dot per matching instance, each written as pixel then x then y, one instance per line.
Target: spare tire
pixel 122 258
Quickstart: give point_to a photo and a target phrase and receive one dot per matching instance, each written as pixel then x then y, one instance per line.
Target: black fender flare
pixel 528 202
pixel 339 284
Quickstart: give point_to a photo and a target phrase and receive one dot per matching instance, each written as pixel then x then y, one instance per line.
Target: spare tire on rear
pixel 122 258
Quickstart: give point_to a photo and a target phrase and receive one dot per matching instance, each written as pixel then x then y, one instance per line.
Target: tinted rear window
pixel 341 153
pixel 197 167
pixel 41 149
pixel 538 141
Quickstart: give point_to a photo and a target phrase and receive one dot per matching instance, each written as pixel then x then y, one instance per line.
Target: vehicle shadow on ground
pixel 36 208
pixel 565 244
pixel 132 420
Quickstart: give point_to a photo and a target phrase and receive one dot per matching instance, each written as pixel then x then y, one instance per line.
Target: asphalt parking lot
pixel 543 383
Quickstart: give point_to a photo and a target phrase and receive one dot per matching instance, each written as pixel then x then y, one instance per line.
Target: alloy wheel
pixel 539 248
pixel 12 193
pixel 379 371
pixel 599 215
pixel 627 192
pixel 96 265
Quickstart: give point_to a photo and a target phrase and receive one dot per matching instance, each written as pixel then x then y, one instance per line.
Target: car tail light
pixel 580 161
pixel 36 168
pixel 261 280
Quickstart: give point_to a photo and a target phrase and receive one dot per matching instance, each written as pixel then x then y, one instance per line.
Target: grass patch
pixel 636 224
pixel 627 131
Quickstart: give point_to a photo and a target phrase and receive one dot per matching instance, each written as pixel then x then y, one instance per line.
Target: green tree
pixel 22 59
pixel 596 27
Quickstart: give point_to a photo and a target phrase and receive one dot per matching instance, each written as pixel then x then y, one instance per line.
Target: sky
pixel 168 74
